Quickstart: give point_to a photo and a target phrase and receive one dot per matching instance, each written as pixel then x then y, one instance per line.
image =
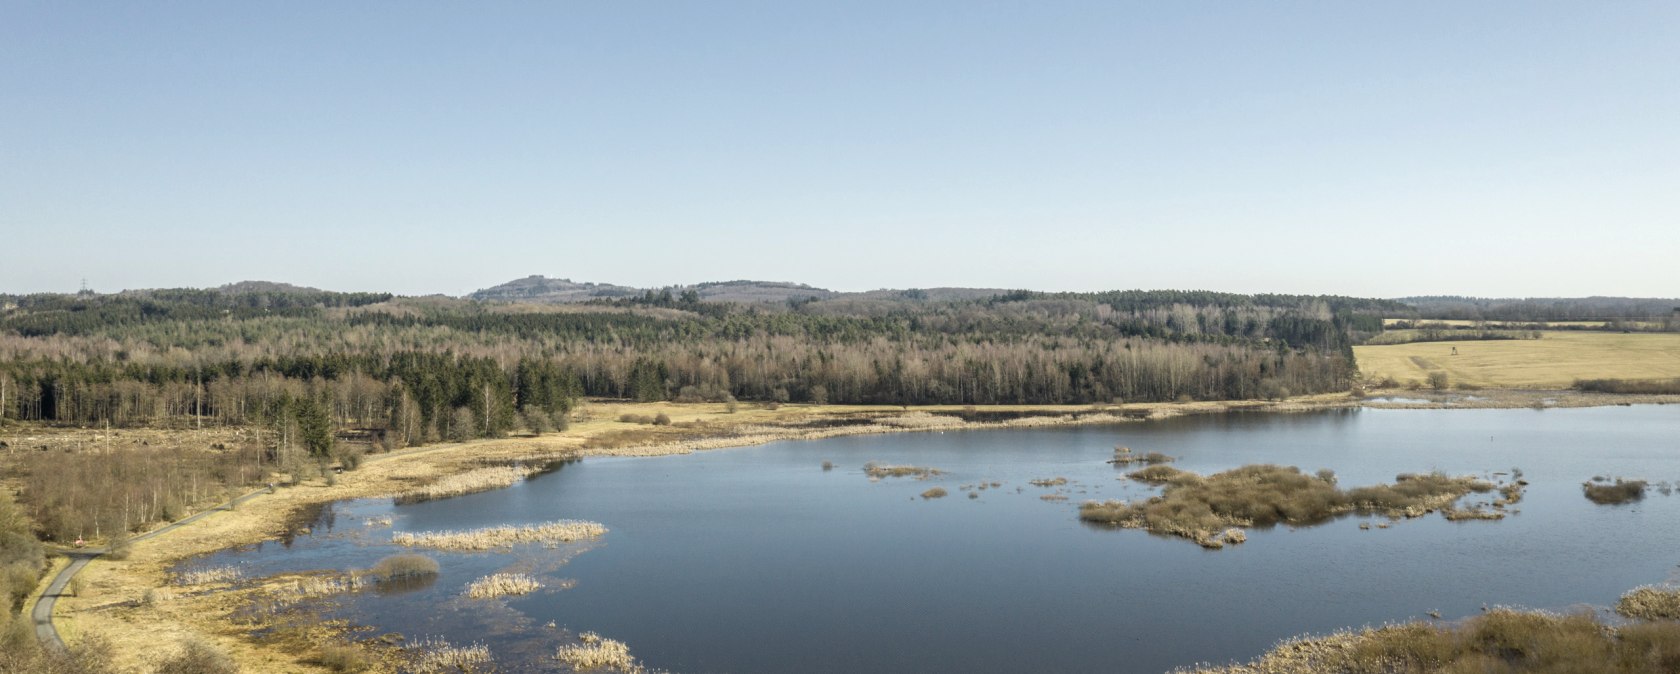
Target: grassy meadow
pixel 1555 360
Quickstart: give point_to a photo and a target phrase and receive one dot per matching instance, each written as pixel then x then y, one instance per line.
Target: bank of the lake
pixel 587 491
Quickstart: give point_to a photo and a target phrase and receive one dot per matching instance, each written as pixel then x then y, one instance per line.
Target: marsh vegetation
pixel 1650 603
pixel 502 585
pixel 1200 508
pixel 595 652
pixel 1501 641
pixel 1604 491
pixel 490 538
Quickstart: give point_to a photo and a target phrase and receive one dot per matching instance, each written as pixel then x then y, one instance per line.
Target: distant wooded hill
pixel 1539 309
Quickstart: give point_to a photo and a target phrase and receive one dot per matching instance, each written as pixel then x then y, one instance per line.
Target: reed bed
pixel 490 538
pixel 502 585
pixel 1201 508
pixel 217 574
pixel 436 656
pixel 936 492
pixel 472 481
pixel 1501 640
pixel 1048 482
pixel 595 652
pixel 1650 603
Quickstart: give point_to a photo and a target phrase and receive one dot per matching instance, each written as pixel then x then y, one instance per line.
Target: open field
pixel 1554 361
pixel 1460 323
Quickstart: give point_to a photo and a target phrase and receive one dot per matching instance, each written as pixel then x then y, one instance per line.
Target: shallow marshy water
pixel 757 560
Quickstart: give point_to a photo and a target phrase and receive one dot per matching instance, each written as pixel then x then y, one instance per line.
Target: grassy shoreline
pixel 115 605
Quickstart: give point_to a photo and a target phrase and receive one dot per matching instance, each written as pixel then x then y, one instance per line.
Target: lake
pixel 756 560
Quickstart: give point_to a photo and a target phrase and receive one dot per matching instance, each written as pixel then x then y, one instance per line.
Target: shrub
pixel 1439 381
pixel 403 566
pixel 662 419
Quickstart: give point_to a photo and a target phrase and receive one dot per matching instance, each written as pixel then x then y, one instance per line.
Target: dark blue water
pixel 755 560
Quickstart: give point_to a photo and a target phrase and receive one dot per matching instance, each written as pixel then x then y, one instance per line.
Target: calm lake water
pixel 755 560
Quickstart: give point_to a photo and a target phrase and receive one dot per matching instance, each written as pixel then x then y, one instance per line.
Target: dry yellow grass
pixel 1554 361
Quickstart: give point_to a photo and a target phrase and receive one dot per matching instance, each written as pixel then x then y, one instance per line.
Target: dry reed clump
pixel 501 585
pixel 218 574
pixel 1650 603
pixel 436 656
pixel 1502 640
pixel 936 492
pixel 1048 482
pixel 877 471
pixel 380 521
pixel 1200 508
pixel 1603 492
pixel 482 479
pixel 595 652
pixel 1123 456
pixel 558 531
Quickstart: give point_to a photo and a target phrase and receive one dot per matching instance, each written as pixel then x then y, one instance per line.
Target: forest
pixel 424 369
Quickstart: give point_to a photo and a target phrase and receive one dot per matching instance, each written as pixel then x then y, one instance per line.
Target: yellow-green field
pixel 1555 360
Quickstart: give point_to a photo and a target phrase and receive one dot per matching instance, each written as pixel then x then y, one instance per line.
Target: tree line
pixel 423 369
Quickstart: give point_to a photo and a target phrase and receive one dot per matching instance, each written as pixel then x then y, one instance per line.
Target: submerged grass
pixel 1650 603
pixel 1501 641
pixel 1123 456
pixel 1200 508
pixel 878 471
pixel 489 538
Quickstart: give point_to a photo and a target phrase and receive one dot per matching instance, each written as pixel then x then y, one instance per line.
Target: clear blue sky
pixel 1383 149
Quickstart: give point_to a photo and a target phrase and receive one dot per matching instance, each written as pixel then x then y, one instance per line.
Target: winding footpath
pixel 43 612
